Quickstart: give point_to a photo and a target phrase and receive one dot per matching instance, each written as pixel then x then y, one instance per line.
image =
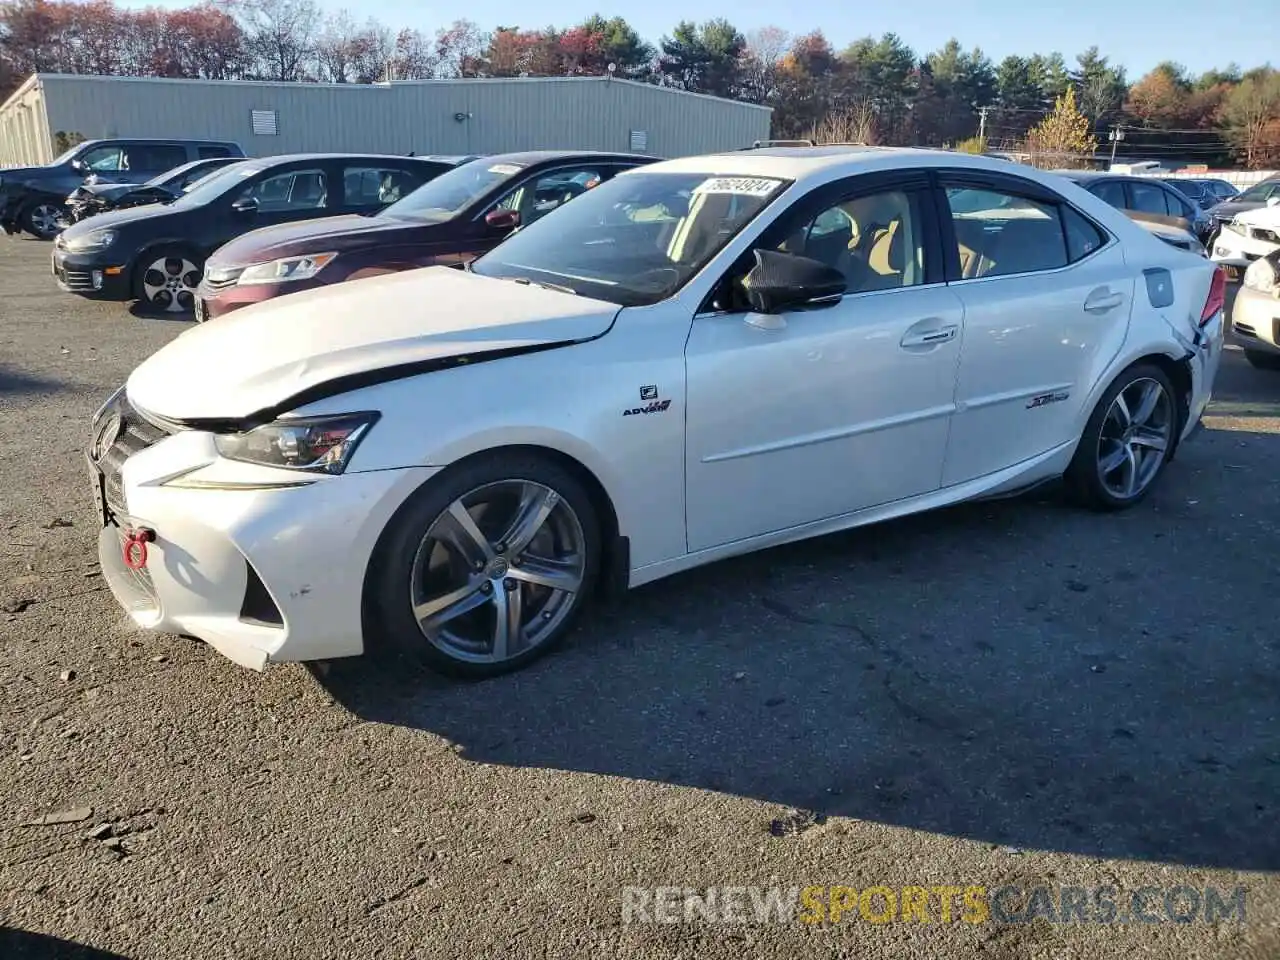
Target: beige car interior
pixel 871 240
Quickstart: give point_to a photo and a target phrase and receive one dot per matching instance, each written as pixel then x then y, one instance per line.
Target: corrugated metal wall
pixel 439 116
pixel 24 132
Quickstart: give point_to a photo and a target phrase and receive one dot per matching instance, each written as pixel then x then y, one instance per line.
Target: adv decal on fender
pixel 657 406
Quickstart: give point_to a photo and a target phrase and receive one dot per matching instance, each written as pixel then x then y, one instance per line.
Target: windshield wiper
pixel 558 287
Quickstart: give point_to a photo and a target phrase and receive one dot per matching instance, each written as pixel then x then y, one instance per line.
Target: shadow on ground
pixel 21 384
pixel 21 945
pixel 1016 672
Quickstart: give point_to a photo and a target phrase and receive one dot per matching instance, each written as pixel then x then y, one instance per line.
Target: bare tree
pixel 758 66
pixel 281 35
pixel 851 123
pixel 335 48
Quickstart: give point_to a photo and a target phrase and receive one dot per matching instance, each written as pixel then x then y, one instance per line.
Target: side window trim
pixel 821 198
pixel 1013 186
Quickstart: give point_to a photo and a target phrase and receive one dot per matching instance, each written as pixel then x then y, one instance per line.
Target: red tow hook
pixel 135 547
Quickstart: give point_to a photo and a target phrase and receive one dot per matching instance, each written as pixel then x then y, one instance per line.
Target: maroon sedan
pixel 451 219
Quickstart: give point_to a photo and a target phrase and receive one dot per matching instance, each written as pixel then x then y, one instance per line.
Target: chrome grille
pixel 137 434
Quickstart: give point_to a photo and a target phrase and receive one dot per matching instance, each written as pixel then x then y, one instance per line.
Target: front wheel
pixel 486 567
pixel 44 220
pixel 1263 360
pixel 166 280
pixel 1127 442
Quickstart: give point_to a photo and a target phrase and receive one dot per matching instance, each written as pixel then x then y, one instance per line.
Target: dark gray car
pixel 34 198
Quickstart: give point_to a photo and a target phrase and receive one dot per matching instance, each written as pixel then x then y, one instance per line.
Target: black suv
pixel 34 198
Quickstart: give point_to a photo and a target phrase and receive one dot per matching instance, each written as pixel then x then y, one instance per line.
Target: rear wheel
pixel 1128 440
pixel 1263 360
pixel 486 568
pixel 44 219
pixel 166 280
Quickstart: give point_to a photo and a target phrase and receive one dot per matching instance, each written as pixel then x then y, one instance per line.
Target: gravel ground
pixel 1017 693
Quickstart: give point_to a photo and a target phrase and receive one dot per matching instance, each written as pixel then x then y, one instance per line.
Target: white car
pixel 1255 315
pixel 700 358
pixel 1248 236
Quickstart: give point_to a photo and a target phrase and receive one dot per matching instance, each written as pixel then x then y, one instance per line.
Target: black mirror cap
pixel 781 281
pixel 247 205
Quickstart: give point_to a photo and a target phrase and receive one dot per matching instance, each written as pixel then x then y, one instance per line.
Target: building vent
pixel 264 123
pixel 639 141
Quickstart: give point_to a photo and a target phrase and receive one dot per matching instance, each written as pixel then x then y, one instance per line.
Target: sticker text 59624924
pixel 746 186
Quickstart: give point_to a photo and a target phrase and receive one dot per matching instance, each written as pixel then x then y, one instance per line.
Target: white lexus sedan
pixel 699 358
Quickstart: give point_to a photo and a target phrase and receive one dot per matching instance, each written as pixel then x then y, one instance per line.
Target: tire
pixel 165 279
pixel 1262 359
pixel 423 558
pixel 40 218
pixel 1117 464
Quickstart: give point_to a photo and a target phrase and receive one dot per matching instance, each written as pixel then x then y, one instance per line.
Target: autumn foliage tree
pixel 1063 138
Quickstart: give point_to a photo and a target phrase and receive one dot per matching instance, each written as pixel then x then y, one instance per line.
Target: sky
pixel 1138 35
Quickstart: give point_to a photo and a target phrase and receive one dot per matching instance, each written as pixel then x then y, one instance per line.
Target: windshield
pixel 64 157
pixel 636 239
pixel 1257 193
pixel 217 183
pixel 447 195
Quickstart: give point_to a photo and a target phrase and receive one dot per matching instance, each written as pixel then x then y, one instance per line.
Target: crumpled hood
pixel 260 357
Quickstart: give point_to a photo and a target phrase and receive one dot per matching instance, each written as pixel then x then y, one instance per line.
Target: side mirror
pixel 784 281
pixel 1273 201
pixel 79 166
pixel 502 219
pixel 246 205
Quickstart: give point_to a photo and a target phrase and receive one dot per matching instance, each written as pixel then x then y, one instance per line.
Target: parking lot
pixel 1011 693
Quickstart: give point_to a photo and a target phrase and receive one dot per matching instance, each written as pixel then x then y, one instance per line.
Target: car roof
pixel 529 158
pixel 197 142
pixel 826 162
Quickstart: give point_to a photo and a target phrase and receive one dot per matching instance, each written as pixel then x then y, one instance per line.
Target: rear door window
pixel 1000 234
pixel 154 157
pixel 370 187
pixel 1110 192
pixel 1148 198
pixel 212 152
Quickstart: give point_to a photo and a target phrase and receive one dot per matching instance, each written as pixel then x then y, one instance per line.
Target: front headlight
pixel 310 444
pixel 1261 276
pixel 286 269
pixel 87 242
pixel 1236 228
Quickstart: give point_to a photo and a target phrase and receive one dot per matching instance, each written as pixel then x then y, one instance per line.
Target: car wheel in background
pixel 166 279
pixel 1263 360
pixel 486 567
pixel 1127 441
pixel 44 220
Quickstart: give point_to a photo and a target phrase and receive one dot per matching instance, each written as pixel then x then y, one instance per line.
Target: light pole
pixel 1115 136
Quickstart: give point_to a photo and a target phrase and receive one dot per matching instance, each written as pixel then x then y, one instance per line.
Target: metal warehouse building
pixel 424 116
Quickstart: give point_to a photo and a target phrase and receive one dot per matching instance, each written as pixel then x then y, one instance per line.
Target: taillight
pixel 1217 296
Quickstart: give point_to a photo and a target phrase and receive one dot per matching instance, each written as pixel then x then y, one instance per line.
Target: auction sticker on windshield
pixel 744 186
pixel 506 169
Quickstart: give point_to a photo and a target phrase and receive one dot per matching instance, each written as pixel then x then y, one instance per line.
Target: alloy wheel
pixel 1135 438
pixel 169 284
pixel 498 571
pixel 46 219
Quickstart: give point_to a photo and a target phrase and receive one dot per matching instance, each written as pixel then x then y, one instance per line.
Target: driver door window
pixel 874 240
pixel 103 159
pixel 535 198
pixel 295 191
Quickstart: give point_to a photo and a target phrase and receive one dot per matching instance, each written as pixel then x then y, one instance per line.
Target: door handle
pixel 928 338
pixel 1102 300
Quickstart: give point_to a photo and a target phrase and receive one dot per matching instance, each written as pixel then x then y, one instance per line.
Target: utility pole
pixel 1115 136
pixel 982 123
